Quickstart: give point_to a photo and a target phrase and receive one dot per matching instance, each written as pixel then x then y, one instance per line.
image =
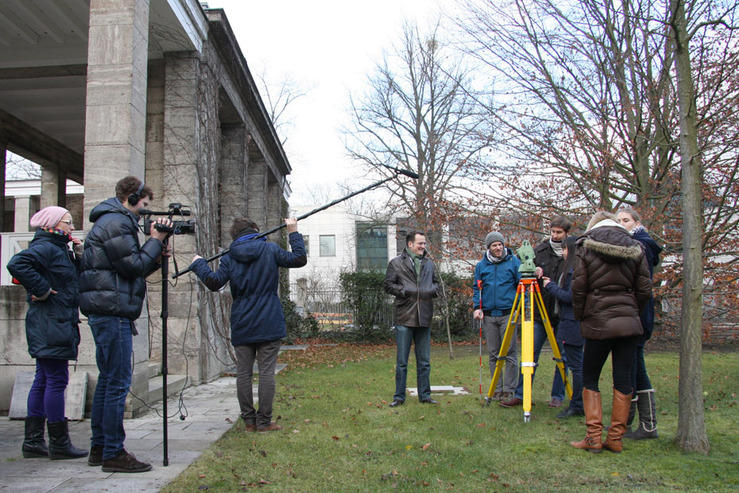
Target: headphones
pixel 134 198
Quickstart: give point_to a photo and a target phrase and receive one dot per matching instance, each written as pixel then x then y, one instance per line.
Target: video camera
pixel 179 227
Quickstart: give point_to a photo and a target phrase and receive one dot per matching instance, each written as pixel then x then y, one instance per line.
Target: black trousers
pixel 621 350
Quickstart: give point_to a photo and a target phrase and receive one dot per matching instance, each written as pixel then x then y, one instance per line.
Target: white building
pixel 338 241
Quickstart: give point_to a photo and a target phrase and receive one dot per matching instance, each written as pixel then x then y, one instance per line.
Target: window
pixel 327 245
pixel 306 240
pixel 371 246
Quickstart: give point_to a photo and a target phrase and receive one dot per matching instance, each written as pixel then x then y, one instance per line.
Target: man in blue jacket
pixel 257 321
pixel 112 290
pixel 498 271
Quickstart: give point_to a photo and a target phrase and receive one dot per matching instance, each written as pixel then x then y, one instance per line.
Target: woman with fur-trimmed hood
pixel 610 287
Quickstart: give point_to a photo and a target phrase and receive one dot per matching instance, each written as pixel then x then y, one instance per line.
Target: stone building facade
pixel 100 89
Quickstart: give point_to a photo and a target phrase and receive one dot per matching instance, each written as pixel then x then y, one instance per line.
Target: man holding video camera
pixel 112 289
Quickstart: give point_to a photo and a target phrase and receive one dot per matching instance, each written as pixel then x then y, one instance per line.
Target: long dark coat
pixel 52 329
pixel 252 268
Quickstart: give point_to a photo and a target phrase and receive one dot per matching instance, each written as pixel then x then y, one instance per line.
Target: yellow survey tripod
pixel 528 295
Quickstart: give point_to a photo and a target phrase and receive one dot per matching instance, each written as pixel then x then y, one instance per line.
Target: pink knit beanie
pixel 48 217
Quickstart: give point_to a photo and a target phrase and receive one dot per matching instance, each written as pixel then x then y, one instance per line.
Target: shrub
pixel 298 326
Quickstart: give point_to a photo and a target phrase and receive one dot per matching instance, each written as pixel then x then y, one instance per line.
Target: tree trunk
pixel 691 429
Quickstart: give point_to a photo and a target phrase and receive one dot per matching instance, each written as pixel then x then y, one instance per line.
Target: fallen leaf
pixel 201 476
pixel 426 447
pixel 335 437
pixel 263 453
pixel 408 447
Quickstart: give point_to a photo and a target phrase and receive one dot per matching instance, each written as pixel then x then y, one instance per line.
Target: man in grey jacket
pixel 412 279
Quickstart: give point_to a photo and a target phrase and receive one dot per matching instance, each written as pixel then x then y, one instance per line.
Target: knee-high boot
pixel 647 416
pixel 33 442
pixel 593 421
pixel 619 415
pixel 60 446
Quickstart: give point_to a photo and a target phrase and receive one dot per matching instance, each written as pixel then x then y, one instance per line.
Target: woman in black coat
pixel 568 329
pixel 645 395
pixel 49 272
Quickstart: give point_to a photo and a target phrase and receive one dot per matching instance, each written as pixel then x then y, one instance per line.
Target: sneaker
pixel 555 402
pixel 125 462
pixel 497 396
pixel 270 427
pixel 96 456
pixel 250 428
pixel 511 402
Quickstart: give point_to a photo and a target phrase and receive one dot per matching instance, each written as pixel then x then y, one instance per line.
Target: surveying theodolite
pixel 528 296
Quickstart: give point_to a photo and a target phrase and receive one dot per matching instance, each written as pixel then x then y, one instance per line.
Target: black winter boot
pixel 60 446
pixel 34 444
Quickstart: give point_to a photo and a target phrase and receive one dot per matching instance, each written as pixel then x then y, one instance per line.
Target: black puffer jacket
pixel 414 296
pixel 114 264
pixel 611 283
pixel 551 264
pixel 52 329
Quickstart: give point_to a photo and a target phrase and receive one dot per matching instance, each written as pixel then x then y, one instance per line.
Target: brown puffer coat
pixel 611 283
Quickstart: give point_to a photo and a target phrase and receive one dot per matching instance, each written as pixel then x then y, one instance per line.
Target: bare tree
pixel 20 168
pixel 587 95
pixel 418 116
pixel 691 429
pixel 278 100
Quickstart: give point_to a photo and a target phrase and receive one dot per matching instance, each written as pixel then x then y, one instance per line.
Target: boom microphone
pixel 409 174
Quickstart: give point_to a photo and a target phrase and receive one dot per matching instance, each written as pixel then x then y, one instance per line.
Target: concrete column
pixel 22 213
pixel 233 170
pixel 3 151
pixel 115 119
pixel 274 209
pixel 257 193
pixel 53 186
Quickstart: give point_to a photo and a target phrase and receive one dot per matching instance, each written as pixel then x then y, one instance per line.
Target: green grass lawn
pixel 340 435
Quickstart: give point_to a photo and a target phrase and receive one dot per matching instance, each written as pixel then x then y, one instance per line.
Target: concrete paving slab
pixel 441 389
pixel 74 395
pixel 212 410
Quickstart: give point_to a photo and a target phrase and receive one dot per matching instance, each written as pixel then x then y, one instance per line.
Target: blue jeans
pixel 572 356
pixel 113 349
pixel 421 337
pixel 558 386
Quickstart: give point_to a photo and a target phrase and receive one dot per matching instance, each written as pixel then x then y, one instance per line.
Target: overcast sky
pixel 328 47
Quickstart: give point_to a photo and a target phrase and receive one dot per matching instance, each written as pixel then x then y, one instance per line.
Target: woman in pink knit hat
pixel 50 273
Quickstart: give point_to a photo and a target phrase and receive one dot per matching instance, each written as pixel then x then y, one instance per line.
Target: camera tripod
pixel 528 295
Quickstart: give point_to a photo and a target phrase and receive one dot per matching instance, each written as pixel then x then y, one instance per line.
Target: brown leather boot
pixel 593 421
pixel 619 415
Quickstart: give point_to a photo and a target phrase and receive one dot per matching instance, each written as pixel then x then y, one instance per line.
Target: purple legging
pixel 46 398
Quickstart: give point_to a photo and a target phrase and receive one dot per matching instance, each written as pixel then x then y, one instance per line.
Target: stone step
pixel 174 386
pixel 153 368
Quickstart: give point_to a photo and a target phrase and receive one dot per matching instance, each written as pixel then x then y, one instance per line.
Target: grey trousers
pixel 265 354
pixel 494 331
